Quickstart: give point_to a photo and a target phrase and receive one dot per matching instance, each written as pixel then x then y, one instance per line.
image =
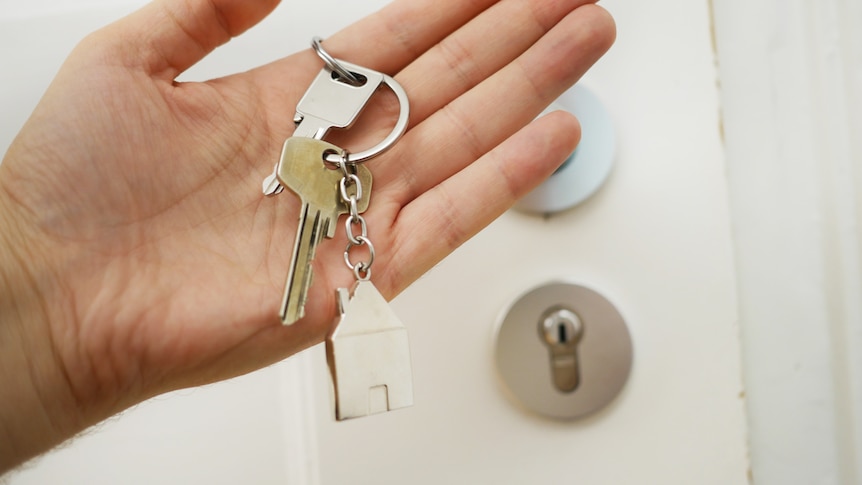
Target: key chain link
pixel 362 269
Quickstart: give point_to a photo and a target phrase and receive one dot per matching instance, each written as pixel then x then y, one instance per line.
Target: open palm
pixel 167 263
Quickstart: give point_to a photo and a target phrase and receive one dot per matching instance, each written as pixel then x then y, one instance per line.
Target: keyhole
pixel 561 330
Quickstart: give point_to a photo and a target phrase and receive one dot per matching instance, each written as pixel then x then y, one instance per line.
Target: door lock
pixel 563 351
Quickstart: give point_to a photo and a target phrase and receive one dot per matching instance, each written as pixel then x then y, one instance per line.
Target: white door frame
pixel 791 83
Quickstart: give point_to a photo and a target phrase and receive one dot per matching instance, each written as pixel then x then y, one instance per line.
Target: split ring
pixel 345 71
pixel 397 131
pixel 333 64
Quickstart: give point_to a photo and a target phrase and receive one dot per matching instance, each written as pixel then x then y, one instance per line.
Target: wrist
pixel 38 409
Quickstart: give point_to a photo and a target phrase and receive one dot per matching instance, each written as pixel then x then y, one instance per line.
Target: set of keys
pixel 367 351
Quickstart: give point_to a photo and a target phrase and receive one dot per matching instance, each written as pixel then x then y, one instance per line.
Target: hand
pixel 138 251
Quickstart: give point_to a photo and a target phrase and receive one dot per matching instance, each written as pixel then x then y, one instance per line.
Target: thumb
pixel 166 37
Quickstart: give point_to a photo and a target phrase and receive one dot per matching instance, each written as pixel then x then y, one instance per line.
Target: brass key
pixel 302 170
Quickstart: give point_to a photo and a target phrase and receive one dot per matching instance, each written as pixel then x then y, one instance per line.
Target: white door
pixel 656 240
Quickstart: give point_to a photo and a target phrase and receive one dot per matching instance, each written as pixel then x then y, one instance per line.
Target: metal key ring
pixel 333 64
pixel 338 66
pixel 397 131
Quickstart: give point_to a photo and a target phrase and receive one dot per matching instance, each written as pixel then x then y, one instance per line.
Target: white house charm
pixel 368 355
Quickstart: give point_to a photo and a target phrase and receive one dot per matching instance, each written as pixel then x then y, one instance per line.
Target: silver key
pixel 329 103
pixel 368 355
pixel 303 171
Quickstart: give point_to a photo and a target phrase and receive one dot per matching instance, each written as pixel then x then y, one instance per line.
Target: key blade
pixel 300 272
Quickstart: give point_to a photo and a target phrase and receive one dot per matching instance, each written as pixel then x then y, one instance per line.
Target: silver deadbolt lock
pixel 563 351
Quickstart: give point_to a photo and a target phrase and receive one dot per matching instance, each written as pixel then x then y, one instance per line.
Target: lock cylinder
pixel 561 329
pixel 563 351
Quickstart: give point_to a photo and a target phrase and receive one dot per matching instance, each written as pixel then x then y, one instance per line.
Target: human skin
pixel 137 254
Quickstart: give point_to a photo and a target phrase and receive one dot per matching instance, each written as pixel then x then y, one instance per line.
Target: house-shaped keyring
pixel 368 355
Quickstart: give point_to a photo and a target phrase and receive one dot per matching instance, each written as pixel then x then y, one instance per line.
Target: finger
pixel 461 61
pixel 386 41
pixel 402 31
pixel 433 225
pixel 478 50
pixel 175 34
pixel 498 107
